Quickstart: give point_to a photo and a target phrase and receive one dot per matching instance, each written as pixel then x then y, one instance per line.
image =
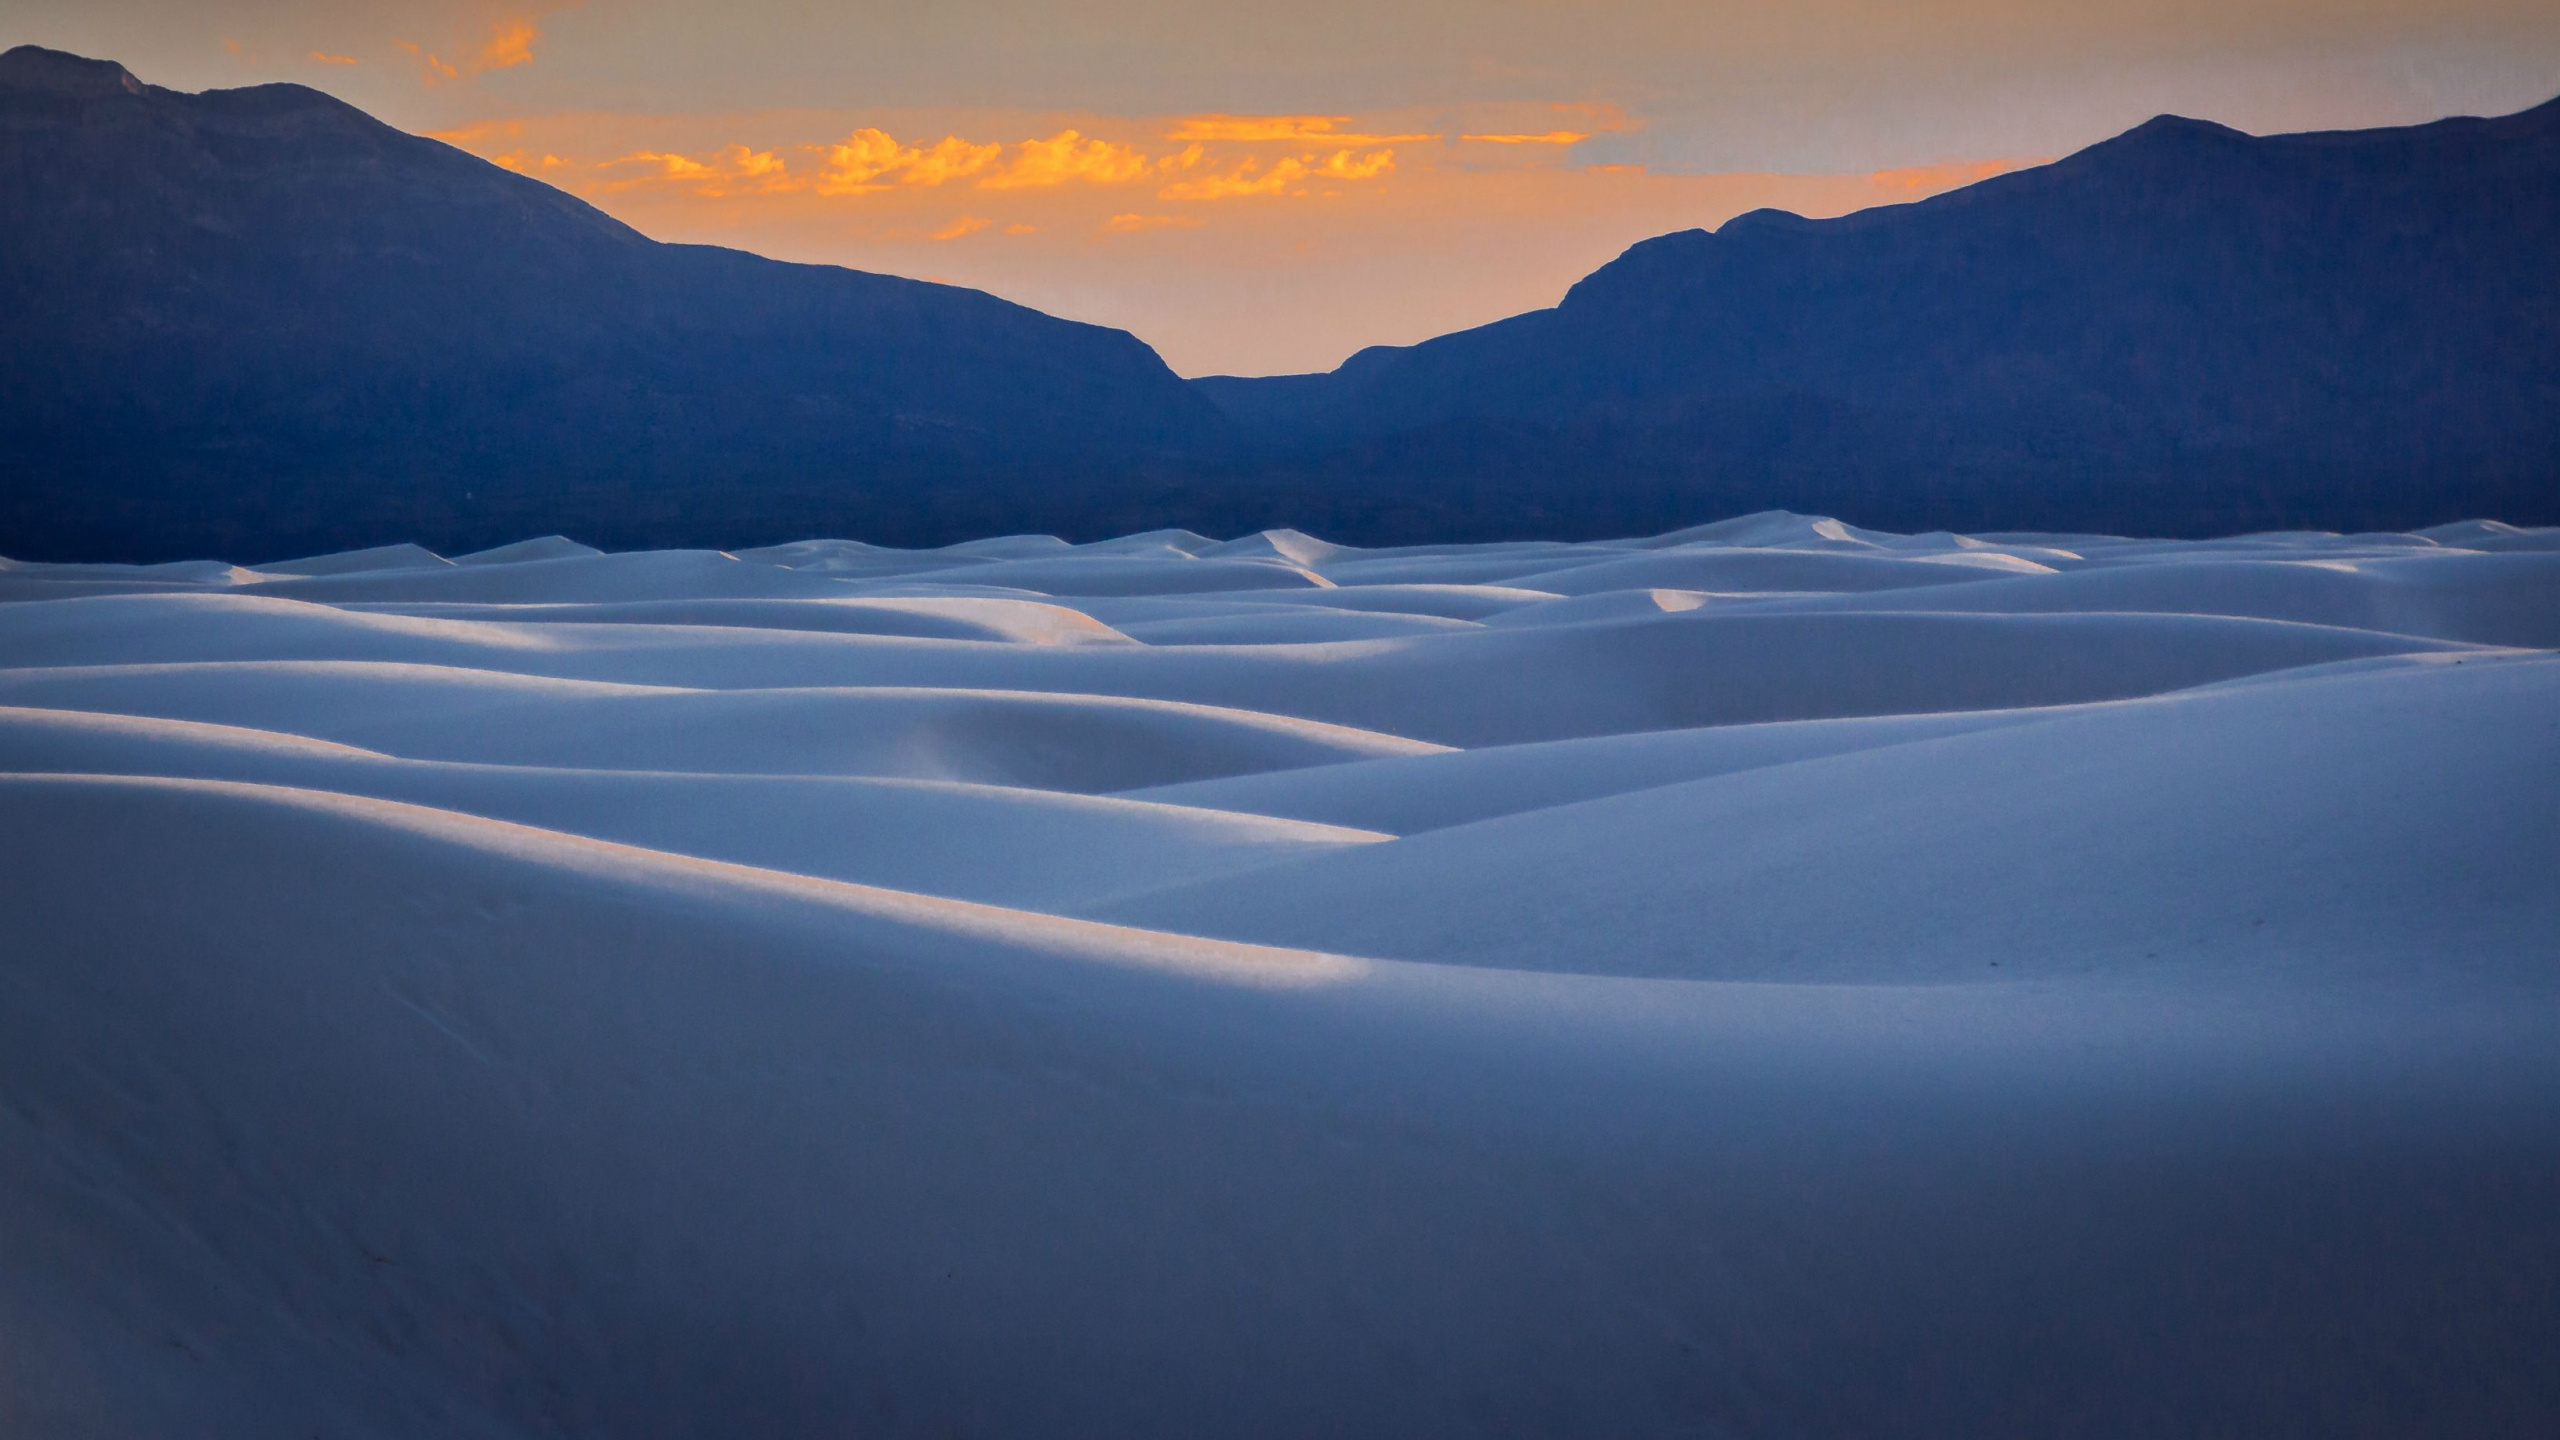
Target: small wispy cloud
pixel 507 44
pixel 1136 224
pixel 1552 137
pixel 436 66
pixel 1266 129
pixel 1285 176
pixel 735 170
pixel 510 44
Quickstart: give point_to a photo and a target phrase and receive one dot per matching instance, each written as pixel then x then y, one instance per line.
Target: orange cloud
pixel 1065 157
pixel 324 58
pixel 437 69
pixel 1324 247
pixel 510 44
pixel 732 171
pixel 1281 177
pixel 1259 129
pixel 870 159
pixel 1552 137
pixel 1930 179
pixel 860 158
pixel 1340 165
pixel 1249 128
pixel 950 158
pixel 1133 224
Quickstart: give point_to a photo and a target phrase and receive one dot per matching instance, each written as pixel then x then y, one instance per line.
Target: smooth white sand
pixel 1778 979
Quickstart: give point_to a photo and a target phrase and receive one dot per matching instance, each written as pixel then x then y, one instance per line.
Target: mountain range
pixel 256 321
pixel 2184 329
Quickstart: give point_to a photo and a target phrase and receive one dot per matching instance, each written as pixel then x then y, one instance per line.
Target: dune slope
pixel 1772 980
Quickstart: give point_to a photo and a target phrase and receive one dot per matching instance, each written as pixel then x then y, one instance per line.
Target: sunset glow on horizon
pixel 1106 219
pixel 1251 196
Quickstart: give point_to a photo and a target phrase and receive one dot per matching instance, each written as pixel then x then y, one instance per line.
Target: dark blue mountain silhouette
pixel 2184 328
pixel 256 321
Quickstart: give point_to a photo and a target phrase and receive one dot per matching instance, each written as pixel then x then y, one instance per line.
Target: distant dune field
pixel 1773 979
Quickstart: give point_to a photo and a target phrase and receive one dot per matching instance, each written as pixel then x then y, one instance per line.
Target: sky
pixel 1259 189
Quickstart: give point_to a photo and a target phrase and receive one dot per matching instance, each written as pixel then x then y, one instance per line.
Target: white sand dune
pixel 1007 846
pixel 2302 826
pixel 1080 743
pixel 1778 979
pixel 1651 670
pixel 920 617
pixel 363 562
pixel 1406 795
pixel 2487 599
pixel 1725 569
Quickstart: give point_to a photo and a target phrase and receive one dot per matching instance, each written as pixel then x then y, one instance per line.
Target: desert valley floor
pixel 1775 979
